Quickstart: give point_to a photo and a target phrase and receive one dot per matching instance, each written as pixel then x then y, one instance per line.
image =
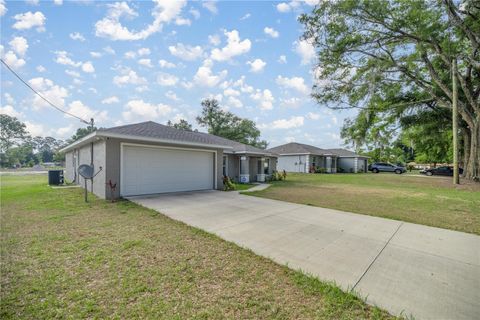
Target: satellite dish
pixel 86 171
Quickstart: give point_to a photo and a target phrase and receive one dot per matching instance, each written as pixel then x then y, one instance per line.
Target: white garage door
pixel 148 170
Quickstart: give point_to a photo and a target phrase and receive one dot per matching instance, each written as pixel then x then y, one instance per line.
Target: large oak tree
pixel 226 124
pixel 392 59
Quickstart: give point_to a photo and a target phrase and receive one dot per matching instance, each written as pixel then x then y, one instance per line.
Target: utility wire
pixel 45 99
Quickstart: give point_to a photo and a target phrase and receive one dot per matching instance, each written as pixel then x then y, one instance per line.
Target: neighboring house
pixel 149 158
pixel 304 158
pixel 350 162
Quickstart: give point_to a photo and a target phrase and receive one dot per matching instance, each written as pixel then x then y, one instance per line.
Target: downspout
pixel 91 154
pixel 91 163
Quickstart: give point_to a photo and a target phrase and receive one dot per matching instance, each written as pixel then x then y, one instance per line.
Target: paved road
pixel 405 268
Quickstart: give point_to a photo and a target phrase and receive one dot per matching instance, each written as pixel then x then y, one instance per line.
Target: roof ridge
pixel 127 125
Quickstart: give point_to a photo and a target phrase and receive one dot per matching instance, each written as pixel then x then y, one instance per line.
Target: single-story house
pixel 350 162
pixel 149 158
pixel 304 158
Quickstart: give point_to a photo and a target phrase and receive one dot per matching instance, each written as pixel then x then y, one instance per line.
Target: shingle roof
pixel 152 129
pixel 345 153
pixel 298 148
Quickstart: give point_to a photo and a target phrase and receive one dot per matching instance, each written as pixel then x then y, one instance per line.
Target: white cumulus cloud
pixel 214 39
pixel 166 79
pixel 77 36
pixel 305 50
pixel 165 64
pixel 83 111
pixel 3 8
pixel 283 7
pixel 63 57
pixel 186 52
pixel 233 48
pixel 47 88
pixel 95 54
pixel 110 26
pixel 128 76
pixel 296 83
pixel 256 65
pixel 145 62
pixel 139 109
pixel 234 102
pixel 293 122
pixel 110 100
pixel 313 116
pixel 12 59
pixel 29 20
pixel 264 98
pixel 19 45
pixel 88 67
pixel 271 32
pixel 41 68
pixel 10 111
pixel 206 77
pixel 210 6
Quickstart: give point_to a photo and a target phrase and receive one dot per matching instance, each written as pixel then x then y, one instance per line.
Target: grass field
pixel 63 258
pixel 424 200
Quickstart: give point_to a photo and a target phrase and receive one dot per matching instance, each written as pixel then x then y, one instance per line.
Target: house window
pixel 266 166
pixel 225 168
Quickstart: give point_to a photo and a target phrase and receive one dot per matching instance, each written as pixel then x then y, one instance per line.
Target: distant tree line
pixel 18 148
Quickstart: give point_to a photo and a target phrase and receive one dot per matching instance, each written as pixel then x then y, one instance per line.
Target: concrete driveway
pixel 405 268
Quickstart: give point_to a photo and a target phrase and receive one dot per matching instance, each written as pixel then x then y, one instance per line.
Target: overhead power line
pixel 42 97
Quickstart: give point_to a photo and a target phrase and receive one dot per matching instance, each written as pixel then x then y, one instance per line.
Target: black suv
pixel 441 171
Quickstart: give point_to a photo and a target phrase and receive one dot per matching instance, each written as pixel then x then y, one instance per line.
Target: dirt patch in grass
pixel 434 202
pixel 62 258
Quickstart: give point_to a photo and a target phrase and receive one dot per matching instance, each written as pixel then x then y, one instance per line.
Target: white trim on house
pixel 265 154
pixel 122 144
pixel 140 138
pixel 225 157
pixel 308 153
pixel 79 142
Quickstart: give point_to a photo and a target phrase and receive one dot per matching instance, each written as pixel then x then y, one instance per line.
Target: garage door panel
pixel 148 170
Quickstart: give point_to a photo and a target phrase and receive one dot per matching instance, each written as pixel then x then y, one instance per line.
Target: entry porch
pixel 247 168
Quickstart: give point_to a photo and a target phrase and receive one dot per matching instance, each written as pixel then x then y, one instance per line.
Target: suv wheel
pixel 429 173
pixel 398 171
pixel 375 170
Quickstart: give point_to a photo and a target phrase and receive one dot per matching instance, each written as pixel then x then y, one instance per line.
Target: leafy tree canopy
pixel 228 125
pixel 12 132
pixel 391 59
pixel 81 132
pixel 182 125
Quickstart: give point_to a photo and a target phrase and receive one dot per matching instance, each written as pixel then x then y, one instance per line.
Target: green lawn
pixel 63 258
pixel 430 201
pixel 243 186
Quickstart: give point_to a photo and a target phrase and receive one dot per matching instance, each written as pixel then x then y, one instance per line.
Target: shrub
pixel 320 170
pixel 278 176
pixel 228 184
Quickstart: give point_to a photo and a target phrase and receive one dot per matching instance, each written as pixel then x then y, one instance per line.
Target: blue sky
pixel 127 62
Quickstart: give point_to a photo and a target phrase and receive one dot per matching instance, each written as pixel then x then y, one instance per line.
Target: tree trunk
pixel 465 149
pixel 472 170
